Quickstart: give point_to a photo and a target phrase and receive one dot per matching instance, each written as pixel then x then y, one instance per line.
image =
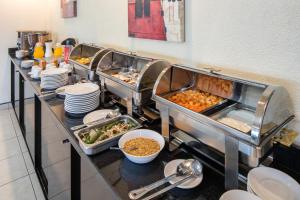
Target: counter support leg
pixel 231 163
pixel 12 84
pixel 75 175
pixel 38 144
pixel 21 100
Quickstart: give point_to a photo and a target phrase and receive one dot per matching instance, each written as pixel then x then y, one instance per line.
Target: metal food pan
pixel 91 149
pixel 166 96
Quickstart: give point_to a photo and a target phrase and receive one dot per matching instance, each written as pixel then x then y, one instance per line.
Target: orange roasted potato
pixel 195 100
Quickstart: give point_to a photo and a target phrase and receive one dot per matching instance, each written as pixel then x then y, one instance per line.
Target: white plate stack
pixel 54 78
pixel 82 98
pixel 271 184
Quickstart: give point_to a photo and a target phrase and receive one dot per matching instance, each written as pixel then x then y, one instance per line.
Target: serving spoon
pixel 184 168
pixel 195 168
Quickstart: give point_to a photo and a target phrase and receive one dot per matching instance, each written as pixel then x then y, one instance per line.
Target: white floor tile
pixel 22 144
pixel 7 130
pixel 15 123
pixel 66 195
pixel 12 168
pixel 20 189
pixel 28 162
pixel 4 106
pixel 37 187
pixel 9 148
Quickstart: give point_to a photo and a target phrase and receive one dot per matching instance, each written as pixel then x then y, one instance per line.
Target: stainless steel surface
pixel 231 163
pixel 91 149
pixel 183 169
pixel 196 170
pixel 139 91
pixel 270 106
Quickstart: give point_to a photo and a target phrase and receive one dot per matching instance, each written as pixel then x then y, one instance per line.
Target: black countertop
pixel 121 174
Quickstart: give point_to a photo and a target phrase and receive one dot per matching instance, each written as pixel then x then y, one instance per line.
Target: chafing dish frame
pixel 135 95
pixel 232 142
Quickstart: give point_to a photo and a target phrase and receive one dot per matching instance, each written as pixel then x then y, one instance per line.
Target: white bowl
pixel 145 133
pixel 238 195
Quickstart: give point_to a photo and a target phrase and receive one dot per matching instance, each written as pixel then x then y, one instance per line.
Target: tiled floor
pixel 18 180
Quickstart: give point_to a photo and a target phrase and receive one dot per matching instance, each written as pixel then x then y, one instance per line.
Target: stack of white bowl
pixel 54 78
pixel 82 98
pixel 271 184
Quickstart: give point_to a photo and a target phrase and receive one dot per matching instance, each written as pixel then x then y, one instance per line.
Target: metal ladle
pixel 184 168
pixel 196 170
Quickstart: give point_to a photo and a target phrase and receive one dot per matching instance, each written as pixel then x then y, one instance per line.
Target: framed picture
pixel 68 8
pixel 157 19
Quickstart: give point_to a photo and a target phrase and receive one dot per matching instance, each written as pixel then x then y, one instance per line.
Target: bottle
pixel 58 50
pixel 48 53
pixel 38 51
pixel 67 51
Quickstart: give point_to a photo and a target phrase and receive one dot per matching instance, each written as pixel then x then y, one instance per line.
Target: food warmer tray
pixel 91 149
pixel 137 93
pixel 271 107
pixel 87 51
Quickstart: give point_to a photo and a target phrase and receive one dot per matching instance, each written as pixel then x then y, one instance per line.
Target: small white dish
pixel 170 169
pixel 270 183
pixel 35 72
pixel 238 195
pixel 96 115
pixel 27 64
pixel 145 133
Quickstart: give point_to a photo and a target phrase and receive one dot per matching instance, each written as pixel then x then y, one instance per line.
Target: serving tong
pixel 110 115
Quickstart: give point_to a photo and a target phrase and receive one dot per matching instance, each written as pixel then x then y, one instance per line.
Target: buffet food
pixel 106 132
pixel 214 85
pixel 236 124
pixel 195 100
pixel 141 146
pixel 128 78
pixel 84 60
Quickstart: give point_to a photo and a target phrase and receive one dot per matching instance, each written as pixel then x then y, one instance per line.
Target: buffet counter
pixel 116 173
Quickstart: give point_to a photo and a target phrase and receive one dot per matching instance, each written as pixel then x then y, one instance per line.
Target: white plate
pixel 85 96
pixel 61 90
pixel 170 169
pixel 82 89
pixel 238 195
pixel 81 111
pixel 80 107
pixel 96 115
pixel 269 183
pixel 54 71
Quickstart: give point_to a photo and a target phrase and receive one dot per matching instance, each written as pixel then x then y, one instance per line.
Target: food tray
pixel 91 149
pixel 207 110
pixel 239 108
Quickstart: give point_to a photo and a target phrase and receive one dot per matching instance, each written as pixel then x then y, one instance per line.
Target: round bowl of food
pixel 142 145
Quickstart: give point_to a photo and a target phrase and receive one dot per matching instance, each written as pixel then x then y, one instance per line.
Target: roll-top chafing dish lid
pixel 87 55
pixel 130 70
pixel 264 108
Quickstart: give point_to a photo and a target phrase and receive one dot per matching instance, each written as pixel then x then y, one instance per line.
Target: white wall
pixel 16 15
pixel 258 37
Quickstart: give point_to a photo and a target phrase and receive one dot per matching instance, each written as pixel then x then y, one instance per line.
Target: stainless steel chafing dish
pixel 129 77
pixel 93 53
pixel 265 108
